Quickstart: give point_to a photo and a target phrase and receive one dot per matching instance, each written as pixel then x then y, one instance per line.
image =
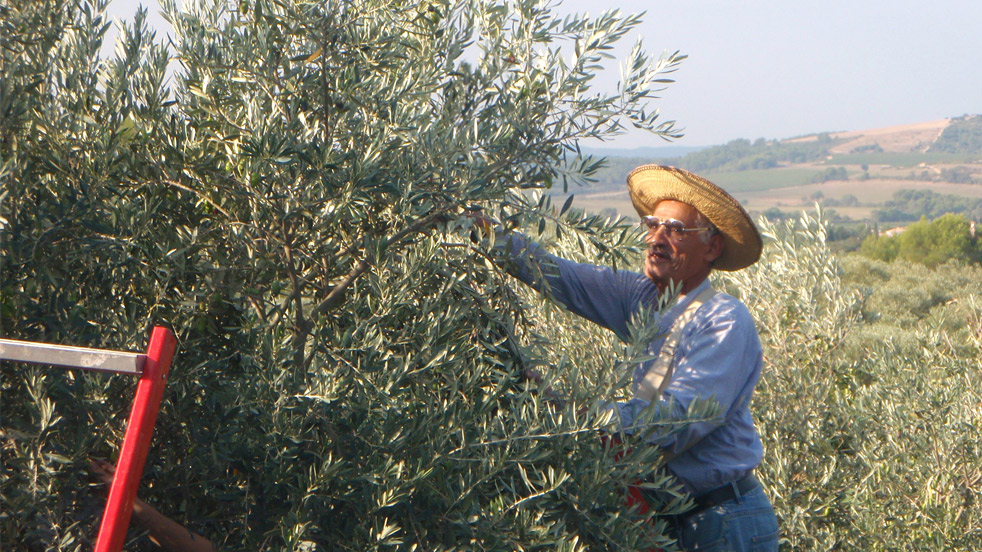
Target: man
pixel 709 346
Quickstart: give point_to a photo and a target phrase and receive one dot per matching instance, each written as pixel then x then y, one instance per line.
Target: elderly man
pixel 709 346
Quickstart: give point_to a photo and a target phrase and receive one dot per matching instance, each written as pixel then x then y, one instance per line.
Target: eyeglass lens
pixel 673 227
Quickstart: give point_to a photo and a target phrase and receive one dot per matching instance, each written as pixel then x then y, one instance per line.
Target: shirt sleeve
pixel 600 294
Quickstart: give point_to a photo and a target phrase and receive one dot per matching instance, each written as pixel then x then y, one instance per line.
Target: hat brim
pixel 742 244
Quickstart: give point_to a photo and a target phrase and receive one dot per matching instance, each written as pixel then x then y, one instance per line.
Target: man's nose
pixel 651 236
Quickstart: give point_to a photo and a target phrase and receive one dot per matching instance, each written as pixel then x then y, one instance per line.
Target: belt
pixel 723 494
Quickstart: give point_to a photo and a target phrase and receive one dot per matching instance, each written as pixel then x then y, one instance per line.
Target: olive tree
pixel 281 184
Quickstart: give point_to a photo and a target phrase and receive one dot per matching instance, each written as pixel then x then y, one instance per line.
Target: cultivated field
pixel 874 175
pixel 870 193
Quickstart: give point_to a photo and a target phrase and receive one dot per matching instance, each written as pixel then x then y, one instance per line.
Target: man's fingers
pixel 102 469
pixel 481 220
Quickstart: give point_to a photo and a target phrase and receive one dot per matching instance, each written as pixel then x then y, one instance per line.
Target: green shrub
pixel 860 407
pixel 929 243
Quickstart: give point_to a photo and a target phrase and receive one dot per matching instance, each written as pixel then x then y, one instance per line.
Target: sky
pixel 783 68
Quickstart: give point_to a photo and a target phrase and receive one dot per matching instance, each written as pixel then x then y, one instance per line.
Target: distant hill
pixel 911 138
pixel 949 142
pixel 963 135
pixel 857 173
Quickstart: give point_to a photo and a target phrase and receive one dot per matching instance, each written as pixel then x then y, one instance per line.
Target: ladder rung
pixel 71 357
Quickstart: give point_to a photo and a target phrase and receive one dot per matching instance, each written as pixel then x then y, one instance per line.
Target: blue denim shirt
pixel 719 356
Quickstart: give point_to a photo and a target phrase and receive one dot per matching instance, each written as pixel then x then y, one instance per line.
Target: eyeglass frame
pixel 674 228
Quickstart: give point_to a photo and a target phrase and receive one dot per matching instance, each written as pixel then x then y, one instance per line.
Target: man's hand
pixel 481 220
pixel 530 374
pixel 103 470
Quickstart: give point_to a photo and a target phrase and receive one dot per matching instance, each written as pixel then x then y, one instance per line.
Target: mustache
pixel 659 249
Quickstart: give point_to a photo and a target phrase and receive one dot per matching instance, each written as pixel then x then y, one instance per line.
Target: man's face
pixel 687 258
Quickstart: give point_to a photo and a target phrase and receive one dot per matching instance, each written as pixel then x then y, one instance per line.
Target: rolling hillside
pixel 854 172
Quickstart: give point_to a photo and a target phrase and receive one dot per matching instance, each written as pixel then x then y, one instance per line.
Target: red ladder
pixel 152 368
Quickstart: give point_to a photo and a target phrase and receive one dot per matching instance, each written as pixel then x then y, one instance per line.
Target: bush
pixel 927 242
pixel 857 417
pixel 832 173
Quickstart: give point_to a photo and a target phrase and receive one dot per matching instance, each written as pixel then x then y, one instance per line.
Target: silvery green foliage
pixel 870 423
pixel 349 374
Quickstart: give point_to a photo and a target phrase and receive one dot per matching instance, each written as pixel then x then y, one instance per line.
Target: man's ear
pixel 715 248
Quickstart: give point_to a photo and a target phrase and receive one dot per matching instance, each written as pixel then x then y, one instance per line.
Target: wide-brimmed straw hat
pixel 650 184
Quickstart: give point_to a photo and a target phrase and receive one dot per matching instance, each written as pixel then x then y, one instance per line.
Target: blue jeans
pixel 745 524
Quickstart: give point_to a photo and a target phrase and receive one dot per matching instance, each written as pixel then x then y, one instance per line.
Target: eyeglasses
pixel 674 228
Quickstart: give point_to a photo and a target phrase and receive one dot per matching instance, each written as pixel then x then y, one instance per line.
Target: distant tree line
pixel 848 200
pixel 910 205
pixel 612 176
pixel 831 173
pixel 742 154
pixel 962 135
pixel 868 148
pixel 928 242
pixel 737 155
pixel 959 174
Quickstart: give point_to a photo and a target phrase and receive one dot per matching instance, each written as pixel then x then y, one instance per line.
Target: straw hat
pixel 650 184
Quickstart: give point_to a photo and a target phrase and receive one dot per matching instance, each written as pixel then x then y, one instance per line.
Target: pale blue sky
pixel 783 68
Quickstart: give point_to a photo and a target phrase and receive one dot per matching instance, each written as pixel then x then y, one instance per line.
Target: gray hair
pixel 711 231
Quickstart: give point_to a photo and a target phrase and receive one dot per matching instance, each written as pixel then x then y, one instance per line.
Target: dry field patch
pixel 899 139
